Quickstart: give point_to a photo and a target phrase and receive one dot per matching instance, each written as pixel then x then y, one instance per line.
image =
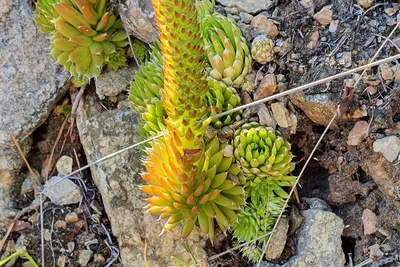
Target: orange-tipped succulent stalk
pixel 189 181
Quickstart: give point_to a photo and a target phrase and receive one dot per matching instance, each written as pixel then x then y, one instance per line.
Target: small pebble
pixel 84 257
pixel 62 261
pixel 370 222
pixel 64 165
pixel 98 258
pixel 60 224
pixel 324 16
pixel 388 146
pixel 71 217
pixel 333 25
pixel 71 246
pixel 62 191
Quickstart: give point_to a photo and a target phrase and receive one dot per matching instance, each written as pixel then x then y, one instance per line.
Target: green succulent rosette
pixel 229 59
pixel 82 33
pixel 262 49
pixel 262 151
pixel 145 93
pixel 222 98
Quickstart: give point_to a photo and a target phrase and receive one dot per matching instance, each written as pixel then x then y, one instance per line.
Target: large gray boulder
pixel 30 84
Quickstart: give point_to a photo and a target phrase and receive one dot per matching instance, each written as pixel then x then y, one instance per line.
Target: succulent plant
pixel 252 252
pixel 204 7
pixel 249 83
pixel 140 51
pixel 146 96
pixel 84 35
pixel 202 195
pixel 227 52
pixel 265 160
pixel 262 151
pixel 44 15
pixel 145 93
pixel 181 170
pixel 267 200
pixel 117 60
pixel 221 98
pixel 262 49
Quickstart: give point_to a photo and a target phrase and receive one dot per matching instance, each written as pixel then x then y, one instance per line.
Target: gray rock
pixel 62 191
pixel 250 6
pixel 139 19
pixel 278 240
pixel 30 83
pixel 246 17
pixel 84 257
pixel 316 204
pixel 344 59
pixel 295 220
pixel 384 174
pixel 319 241
pixel 112 83
pixel 29 184
pixel 118 181
pixel 64 165
pixel 388 146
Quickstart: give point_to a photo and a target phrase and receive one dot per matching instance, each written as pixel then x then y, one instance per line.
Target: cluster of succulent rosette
pixel 193 177
pixel 192 74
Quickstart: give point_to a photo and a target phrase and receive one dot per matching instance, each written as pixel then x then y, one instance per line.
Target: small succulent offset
pixel 83 34
pixel 227 51
pixel 262 151
pixel 221 98
pixel 262 49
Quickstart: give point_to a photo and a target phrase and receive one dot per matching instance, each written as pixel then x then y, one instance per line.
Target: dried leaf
pixel 17 225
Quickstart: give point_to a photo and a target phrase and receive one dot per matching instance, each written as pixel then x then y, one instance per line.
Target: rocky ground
pixel 350 193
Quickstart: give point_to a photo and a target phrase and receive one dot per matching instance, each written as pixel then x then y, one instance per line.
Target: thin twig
pixel 4 239
pixel 23 157
pixel 389 40
pixel 75 106
pixel 41 228
pixel 54 148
